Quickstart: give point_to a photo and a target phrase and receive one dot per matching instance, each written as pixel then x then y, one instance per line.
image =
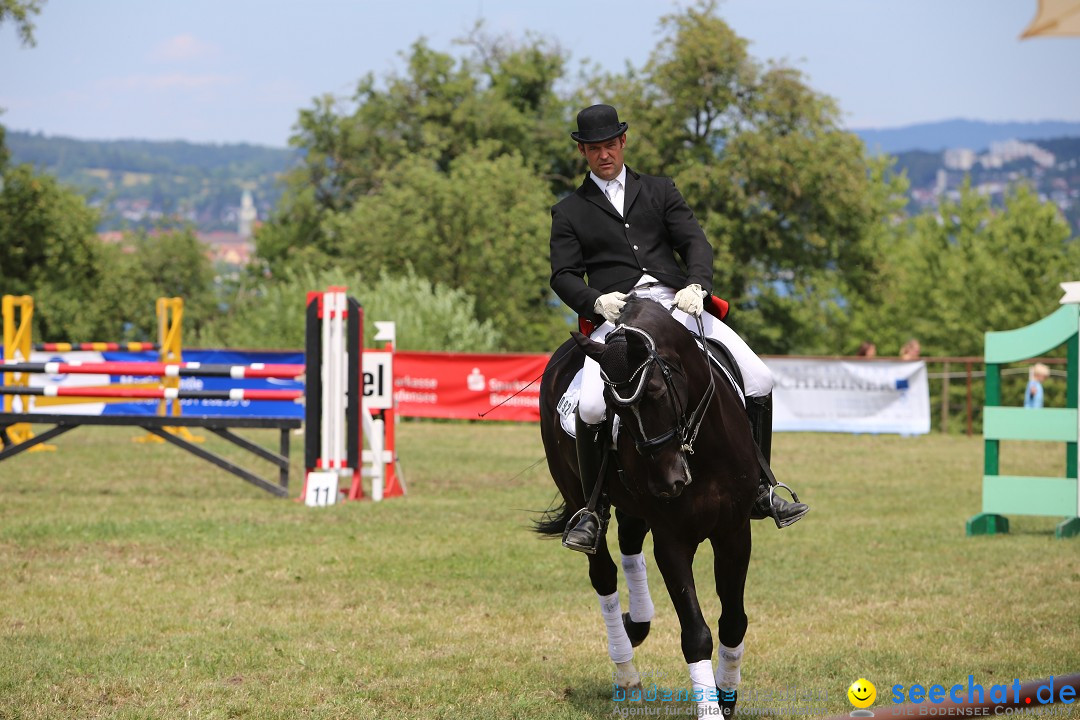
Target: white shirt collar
pixel 602 184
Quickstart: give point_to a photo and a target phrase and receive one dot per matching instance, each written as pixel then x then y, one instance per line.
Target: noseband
pixel 685 429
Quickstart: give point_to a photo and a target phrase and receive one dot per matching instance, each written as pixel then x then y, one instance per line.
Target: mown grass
pixel 138 582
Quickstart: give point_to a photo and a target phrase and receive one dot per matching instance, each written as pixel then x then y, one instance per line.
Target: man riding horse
pixel 622 230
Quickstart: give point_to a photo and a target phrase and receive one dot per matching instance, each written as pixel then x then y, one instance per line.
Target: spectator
pixel 910 350
pixel 1033 396
pixel 867 350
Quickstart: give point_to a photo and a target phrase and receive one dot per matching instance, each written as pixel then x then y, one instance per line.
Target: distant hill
pixel 973 134
pixel 138 183
pixel 65 154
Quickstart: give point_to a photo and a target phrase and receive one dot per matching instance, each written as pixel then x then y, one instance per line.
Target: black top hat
pixel 598 123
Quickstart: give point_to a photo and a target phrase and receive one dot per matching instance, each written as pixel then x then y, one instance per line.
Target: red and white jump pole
pixel 157 369
pixel 153 393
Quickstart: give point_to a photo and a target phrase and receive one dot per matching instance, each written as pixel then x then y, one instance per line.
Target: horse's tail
pixel 553 520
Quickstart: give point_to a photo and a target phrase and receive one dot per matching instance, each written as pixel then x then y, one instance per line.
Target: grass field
pixel 138 582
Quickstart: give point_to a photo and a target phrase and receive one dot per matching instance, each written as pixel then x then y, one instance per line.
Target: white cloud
pixel 182 48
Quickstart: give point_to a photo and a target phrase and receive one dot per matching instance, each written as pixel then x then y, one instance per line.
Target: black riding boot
pixel 768 503
pixel 584 529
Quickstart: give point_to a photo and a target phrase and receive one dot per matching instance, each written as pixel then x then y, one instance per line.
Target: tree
pixel 271 314
pixel 48 249
pixel 440 108
pixel 447 167
pixel 968 268
pixel 479 227
pixel 165 263
pixel 20 11
pixel 790 201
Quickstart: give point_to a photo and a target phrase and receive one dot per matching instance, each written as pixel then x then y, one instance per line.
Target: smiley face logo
pixel 862 693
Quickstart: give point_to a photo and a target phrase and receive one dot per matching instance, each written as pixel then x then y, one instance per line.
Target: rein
pixel 685 428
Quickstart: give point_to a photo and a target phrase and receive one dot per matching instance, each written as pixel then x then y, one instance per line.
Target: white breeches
pixel 757 379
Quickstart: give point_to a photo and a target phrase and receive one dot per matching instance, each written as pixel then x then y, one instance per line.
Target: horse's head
pixel 643 363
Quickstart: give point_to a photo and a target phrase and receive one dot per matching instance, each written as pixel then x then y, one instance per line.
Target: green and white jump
pixel 1031 495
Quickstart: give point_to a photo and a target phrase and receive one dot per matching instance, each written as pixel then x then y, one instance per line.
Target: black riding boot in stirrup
pixel 585 528
pixel 768 503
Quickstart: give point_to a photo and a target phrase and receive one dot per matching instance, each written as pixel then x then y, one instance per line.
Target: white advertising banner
pixel 877 396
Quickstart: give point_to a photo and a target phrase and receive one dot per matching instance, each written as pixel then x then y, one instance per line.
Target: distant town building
pixel 1010 150
pixel 941 181
pixel 227 248
pixel 962 159
pixel 248 215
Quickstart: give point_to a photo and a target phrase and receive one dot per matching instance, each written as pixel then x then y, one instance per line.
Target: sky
pixel 228 71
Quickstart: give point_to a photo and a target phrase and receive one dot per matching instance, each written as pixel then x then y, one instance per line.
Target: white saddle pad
pixel 568 403
pixel 567 409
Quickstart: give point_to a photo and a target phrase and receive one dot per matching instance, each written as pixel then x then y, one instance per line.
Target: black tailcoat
pixel 590 239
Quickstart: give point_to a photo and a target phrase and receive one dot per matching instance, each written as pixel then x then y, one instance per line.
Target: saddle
pixel 720 356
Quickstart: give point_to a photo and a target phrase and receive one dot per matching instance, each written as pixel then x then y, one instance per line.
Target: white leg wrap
pixel 701 678
pixel 641 604
pixel 618 644
pixel 728 674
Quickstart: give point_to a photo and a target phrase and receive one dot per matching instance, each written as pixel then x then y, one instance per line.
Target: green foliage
pixel 447 167
pixel 20 12
pixel 951 277
pixel 791 202
pixel 48 249
pixel 271 314
pixel 424 169
pixel 83 289
pixel 148 266
pixel 475 227
pixel 438 178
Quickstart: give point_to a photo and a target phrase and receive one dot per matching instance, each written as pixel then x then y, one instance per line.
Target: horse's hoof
pixel 728 698
pixel 636 631
pixel 627 677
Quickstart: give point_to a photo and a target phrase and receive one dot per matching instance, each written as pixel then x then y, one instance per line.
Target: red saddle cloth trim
pixel 715 306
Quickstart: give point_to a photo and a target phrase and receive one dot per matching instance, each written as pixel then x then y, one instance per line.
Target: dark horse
pixel 684 467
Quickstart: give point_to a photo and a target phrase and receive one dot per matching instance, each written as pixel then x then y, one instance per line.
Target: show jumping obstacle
pixel 95 346
pixel 334 410
pixel 188 369
pixel 1024 495
pixel 337 415
pixel 155 393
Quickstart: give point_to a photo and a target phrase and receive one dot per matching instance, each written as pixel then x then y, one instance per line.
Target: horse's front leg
pixel 638 620
pixel 675 558
pixel 604 577
pixel 731 559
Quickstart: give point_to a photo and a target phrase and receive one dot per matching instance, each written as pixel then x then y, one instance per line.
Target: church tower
pixel 248 215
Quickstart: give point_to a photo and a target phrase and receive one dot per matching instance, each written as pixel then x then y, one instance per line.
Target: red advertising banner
pixel 468 386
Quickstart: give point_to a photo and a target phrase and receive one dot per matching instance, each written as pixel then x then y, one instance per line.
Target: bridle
pixel 685 429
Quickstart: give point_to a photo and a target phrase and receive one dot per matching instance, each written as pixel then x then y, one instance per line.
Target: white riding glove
pixel 610 305
pixel 691 300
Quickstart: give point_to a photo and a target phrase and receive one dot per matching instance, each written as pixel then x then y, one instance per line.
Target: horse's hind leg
pixel 603 574
pixel 732 557
pixel 638 621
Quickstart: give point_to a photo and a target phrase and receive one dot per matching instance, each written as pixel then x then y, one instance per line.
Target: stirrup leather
pixel 572 523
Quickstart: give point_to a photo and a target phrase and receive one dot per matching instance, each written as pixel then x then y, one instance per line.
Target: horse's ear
pixel 591 348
